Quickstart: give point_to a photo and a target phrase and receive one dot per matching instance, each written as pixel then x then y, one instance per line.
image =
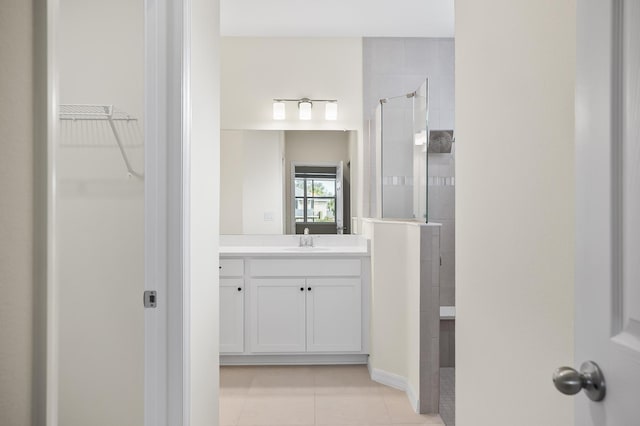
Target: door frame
pixel 167 211
pixel 167 119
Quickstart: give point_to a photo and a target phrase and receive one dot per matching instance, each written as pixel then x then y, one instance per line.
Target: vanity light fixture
pixel 279 110
pixel 304 108
pixel 331 111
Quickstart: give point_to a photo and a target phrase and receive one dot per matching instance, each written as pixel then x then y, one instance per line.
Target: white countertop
pixel 288 245
pixel 293 251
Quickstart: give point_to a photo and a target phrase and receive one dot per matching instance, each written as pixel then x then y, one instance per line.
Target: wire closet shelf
pixel 102 113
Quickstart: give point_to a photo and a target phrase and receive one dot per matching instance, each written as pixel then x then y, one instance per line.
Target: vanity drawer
pixel 231 267
pixel 304 267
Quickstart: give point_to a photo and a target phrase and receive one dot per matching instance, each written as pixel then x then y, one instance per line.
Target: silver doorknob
pixel 590 378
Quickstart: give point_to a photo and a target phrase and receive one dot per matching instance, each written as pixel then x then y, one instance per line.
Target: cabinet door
pixel 277 315
pixel 334 315
pixel 231 315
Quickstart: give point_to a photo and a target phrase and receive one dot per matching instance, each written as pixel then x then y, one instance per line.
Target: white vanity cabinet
pixel 232 291
pixel 294 309
pixel 306 315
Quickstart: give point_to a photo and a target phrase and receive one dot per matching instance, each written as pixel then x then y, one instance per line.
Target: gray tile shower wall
pixel 429 319
pixel 396 66
pixel 447 343
pixel 442 209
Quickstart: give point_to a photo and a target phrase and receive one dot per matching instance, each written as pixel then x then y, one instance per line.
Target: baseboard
pixel 413 399
pixel 397 382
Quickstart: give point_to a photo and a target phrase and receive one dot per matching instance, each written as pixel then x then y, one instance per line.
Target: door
pixel 231 315
pixel 334 315
pixel 277 315
pixel 607 287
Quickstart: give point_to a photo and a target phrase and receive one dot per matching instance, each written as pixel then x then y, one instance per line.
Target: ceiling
pixel 337 18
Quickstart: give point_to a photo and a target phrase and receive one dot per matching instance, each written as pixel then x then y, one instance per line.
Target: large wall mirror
pixel 283 181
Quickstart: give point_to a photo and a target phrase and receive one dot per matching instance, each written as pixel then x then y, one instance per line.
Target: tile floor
pixel 312 395
pixel 448 396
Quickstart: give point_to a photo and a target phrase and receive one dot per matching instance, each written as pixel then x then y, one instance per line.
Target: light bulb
pixel 331 111
pixel 304 108
pixel 279 110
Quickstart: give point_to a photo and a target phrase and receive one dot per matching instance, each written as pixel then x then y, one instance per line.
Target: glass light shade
pixel 331 111
pixel 279 110
pixel 304 110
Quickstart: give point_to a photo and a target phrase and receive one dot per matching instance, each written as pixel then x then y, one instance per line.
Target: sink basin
pixel 306 249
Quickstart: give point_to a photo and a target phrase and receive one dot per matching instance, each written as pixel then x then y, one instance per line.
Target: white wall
pixel 231 181
pixel 389 283
pixel 312 147
pixel 336 18
pixel 404 308
pixel 98 64
pixel 16 214
pixel 262 195
pixel 257 70
pixel 514 210
pixel 251 182
pixel 100 218
pixel 411 237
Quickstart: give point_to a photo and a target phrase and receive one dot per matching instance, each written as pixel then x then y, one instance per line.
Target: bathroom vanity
pixel 281 303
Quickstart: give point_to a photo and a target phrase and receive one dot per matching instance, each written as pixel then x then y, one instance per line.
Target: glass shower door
pixel 402 135
pixel 397 158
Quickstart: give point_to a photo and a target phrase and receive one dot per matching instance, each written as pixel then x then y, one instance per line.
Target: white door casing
pixel 607 291
pixel 167 148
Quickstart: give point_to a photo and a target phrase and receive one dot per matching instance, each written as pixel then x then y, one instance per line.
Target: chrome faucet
pixel 306 240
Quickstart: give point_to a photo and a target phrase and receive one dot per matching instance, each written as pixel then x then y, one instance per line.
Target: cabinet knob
pixel 309 288
pixel 219 267
pixel 301 288
pixel 239 288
